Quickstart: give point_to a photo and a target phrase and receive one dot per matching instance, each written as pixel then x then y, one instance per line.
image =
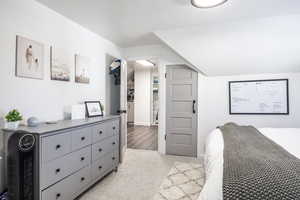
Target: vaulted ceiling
pixel 131 22
pixel 269 45
pixel 235 38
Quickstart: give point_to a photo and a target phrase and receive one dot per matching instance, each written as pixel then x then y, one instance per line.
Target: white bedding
pixel 288 138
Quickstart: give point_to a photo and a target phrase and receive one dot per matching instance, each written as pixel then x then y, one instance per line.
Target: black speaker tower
pixel 22 166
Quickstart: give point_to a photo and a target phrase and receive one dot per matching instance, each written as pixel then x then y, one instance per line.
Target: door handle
pixel 194 102
pixel 122 111
pixel 57 171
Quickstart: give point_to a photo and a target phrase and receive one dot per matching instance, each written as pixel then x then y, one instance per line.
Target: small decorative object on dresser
pixel 93 108
pixel 32 122
pixel 77 112
pixel 12 120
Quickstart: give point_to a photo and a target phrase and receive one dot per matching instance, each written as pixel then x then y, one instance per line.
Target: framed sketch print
pixel 93 108
pixel 29 58
pixel 82 68
pixel 61 64
pixel 259 97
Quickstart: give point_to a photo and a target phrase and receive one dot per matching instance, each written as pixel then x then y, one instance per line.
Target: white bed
pixel 288 138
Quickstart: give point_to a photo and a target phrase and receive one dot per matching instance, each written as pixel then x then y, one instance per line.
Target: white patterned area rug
pixel 184 182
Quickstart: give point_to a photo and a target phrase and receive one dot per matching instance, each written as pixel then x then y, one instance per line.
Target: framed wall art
pixel 82 68
pixel 29 58
pixel 259 97
pixel 62 62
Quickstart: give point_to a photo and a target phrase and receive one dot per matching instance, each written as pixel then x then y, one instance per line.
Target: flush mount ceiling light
pixel 207 3
pixel 145 63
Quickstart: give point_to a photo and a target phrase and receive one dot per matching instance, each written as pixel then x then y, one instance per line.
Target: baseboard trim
pixel 142 123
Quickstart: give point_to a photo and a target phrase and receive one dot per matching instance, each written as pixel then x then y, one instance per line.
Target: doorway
pixel 113 88
pixel 115 95
pixel 142 105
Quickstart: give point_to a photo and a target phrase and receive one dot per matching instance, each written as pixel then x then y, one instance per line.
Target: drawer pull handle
pixel 113 158
pixel 83 138
pixel 57 171
pixel 82 179
pixel 58 195
pixel 114 128
pixel 100 167
pixel 100 132
pixel 82 158
pixel 58 146
pixel 100 150
pixel 113 143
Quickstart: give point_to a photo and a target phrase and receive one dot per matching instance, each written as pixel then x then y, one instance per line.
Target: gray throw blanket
pixel 256 168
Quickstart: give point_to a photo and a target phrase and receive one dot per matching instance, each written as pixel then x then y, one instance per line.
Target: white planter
pixel 12 125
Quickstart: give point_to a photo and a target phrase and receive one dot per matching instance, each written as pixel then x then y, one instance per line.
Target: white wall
pixel 142 95
pixel 47 99
pixel 214 105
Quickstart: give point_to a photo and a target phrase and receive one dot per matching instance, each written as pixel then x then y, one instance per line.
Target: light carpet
pixel 139 177
pixel 184 182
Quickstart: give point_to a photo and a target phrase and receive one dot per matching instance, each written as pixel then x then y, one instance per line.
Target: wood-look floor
pixel 142 137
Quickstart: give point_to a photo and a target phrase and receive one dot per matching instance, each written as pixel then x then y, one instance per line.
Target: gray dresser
pixel 73 155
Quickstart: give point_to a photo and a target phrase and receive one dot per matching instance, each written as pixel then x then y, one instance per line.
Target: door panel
pixel 181 122
pixel 181 91
pixel 181 113
pixel 123 106
pixel 181 139
pixel 182 106
pixel 182 74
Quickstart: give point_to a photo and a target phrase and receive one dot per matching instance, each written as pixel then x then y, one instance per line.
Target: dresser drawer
pixel 112 127
pixel 60 191
pixel 102 166
pixel 81 179
pixel 81 138
pixel 55 146
pixel 99 133
pixel 67 188
pixel 102 148
pixel 64 166
pixel 55 171
pixel 80 159
pixel 116 158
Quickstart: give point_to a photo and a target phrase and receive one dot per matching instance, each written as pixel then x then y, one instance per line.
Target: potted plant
pixel 13 119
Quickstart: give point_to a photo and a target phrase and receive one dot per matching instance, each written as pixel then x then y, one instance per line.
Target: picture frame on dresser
pixel 93 109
